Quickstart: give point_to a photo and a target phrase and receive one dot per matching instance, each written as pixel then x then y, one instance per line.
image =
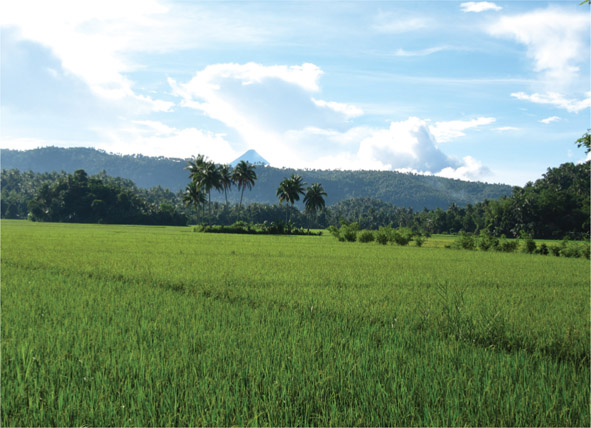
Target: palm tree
pixel 314 200
pixel 195 166
pixel 244 176
pixel 289 190
pixel 193 195
pixel 226 182
pixel 210 179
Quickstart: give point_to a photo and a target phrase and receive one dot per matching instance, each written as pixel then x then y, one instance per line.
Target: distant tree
pixel 585 141
pixel 314 199
pixel 210 179
pixel 194 196
pixel 289 191
pixel 226 181
pixel 244 176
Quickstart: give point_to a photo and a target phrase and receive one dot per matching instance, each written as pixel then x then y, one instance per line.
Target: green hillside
pixel 404 190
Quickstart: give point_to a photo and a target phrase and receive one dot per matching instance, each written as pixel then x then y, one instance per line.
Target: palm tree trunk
pixel 241 194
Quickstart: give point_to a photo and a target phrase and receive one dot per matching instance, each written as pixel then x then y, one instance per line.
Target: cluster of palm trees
pixel 291 188
pixel 206 175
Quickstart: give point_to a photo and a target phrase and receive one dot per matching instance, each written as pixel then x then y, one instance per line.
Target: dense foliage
pixel 555 206
pixel 78 198
pixel 404 190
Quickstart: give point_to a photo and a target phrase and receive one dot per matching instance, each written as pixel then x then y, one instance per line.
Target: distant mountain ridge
pixel 401 189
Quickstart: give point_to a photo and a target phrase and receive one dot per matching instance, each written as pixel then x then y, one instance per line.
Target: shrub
pixel 349 232
pixel 543 250
pixel 486 241
pixel 366 236
pixel 529 245
pixel 384 235
pixel 555 250
pixel 465 241
pixel 570 251
pixel 402 236
pixel 420 240
pixel 586 251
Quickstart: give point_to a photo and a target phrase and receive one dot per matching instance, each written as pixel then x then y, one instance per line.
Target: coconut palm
pixel 289 191
pixel 244 176
pixel 225 179
pixel 195 166
pixel 194 196
pixel 314 200
pixel 210 179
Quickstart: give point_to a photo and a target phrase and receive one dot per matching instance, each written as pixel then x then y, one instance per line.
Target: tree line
pixel 555 206
pixel 400 189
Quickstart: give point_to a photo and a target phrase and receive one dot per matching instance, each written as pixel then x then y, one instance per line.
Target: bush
pixel 570 251
pixel 486 241
pixel 586 251
pixel 384 235
pixel 465 241
pixel 420 240
pixel 529 246
pixel 349 232
pixel 543 250
pixel 366 236
pixel 402 236
pixel 555 250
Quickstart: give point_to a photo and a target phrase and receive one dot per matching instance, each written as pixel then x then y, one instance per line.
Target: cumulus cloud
pixel 89 40
pixel 470 170
pixel 95 41
pixel 550 120
pixel 274 110
pixel 557 100
pixel 450 130
pixel 262 103
pixel 479 6
pixel 557 41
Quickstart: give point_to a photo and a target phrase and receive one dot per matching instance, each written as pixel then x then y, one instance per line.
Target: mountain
pixel 250 156
pixel 401 189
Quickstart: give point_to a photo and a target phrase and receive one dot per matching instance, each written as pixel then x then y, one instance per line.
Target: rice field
pixel 161 326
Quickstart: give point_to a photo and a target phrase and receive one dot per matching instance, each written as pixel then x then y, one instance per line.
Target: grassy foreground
pixel 159 326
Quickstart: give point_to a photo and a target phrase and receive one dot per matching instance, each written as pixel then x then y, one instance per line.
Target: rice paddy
pixel 161 326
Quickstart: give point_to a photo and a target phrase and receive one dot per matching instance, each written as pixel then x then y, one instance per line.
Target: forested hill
pixel 403 190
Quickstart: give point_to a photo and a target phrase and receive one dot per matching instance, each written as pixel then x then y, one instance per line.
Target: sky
pixel 481 91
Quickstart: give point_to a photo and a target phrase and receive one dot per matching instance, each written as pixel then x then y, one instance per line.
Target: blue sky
pixel 495 92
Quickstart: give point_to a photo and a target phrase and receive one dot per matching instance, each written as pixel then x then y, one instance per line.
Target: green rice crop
pixel 160 326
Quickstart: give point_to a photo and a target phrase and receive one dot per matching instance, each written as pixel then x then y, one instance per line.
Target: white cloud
pixel 153 138
pixel 447 131
pixel 348 110
pixel 479 6
pixel 471 170
pixel 550 120
pixel 262 103
pixel 95 41
pixel 89 39
pixel 507 128
pixel 422 52
pixel 273 110
pixel 557 100
pixel 557 41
